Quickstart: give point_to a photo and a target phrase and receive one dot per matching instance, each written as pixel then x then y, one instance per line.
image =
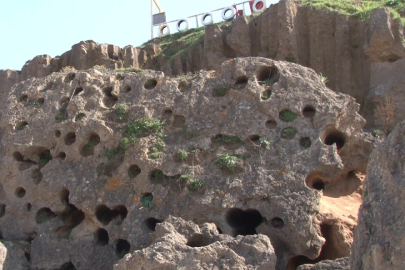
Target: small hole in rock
pixel 22 125
pixel 150 84
pixel 105 215
pixel 41 101
pixel 88 149
pixel 271 124
pixel 36 176
pixel 119 77
pixel 147 200
pixel 134 171
pixel 2 210
pixel 70 138
pixel 122 248
pixel 288 133
pixel 20 192
pixel 28 207
pixel 267 75
pixel 77 91
pixel 277 223
pixel 198 240
pixel 110 98
pixel 241 81
pixel 101 237
pixel 305 142
pixel 69 77
pixel 168 112
pixel 63 102
pixel 309 111
pixel 57 133
pixel 151 222
pixel 243 222
pixel 68 266
pixel 62 155
pixel 23 98
pixel 315 180
pixel 332 136
pixel 43 215
pixel 18 156
pixel 266 94
pixel 127 89
pixel 179 121
pixel 254 138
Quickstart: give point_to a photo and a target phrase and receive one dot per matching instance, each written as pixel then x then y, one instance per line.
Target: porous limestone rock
pixel 184 245
pixel 379 238
pixel 338 264
pixel 88 170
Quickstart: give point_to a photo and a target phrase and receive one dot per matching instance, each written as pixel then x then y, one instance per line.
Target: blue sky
pixel 34 27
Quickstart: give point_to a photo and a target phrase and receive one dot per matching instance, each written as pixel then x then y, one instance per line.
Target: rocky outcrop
pixel 339 264
pixel 185 245
pixel 12 255
pixel 379 237
pixel 88 168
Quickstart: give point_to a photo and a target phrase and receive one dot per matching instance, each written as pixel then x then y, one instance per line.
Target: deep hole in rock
pixel 110 98
pixel 243 222
pixel 267 74
pixel 22 125
pixel 151 222
pixel 71 216
pixel 122 248
pixel 36 176
pixel 70 138
pixel 332 136
pixel 43 215
pixel 64 196
pixel 150 84
pixel 44 157
pixel 105 215
pixel 20 192
pixel 18 156
pixel 57 133
pixel 219 230
pixel 305 142
pixel 127 89
pixel 88 149
pixel 101 237
pixel 41 101
pixel 309 111
pixel 77 91
pixel 254 138
pixel 2 210
pixel 62 155
pixel 266 94
pixel 315 180
pixel 241 81
pixel 134 171
pixel 198 240
pixel 68 266
pixel 27 207
pixel 119 77
pixel 277 223
pixel 271 124
pixel 69 77
pixel 167 112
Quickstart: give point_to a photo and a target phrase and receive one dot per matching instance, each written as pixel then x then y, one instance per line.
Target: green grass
pixel 228 162
pixel 288 132
pixel 322 78
pixel 122 112
pixel 182 154
pixel 44 158
pixel 135 70
pixel 228 139
pixel 60 117
pixel 112 154
pixel 287 115
pixel 80 116
pixel 195 185
pixel 360 9
pixel 142 128
pixel 156 150
pixel 221 90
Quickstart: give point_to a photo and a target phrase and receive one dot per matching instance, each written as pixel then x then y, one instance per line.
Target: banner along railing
pixel 203 19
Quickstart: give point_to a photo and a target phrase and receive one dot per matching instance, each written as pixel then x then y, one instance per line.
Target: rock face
pixel 339 264
pixel 179 244
pixel 12 256
pixel 92 160
pixel 359 58
pixel 379 239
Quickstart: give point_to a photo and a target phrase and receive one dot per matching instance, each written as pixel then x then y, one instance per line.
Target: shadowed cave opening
pixel 267 73
pixel 330 249
pixel 243 222
pixel 122 248
pixel 150 84
pixel 105 215
pixel 77 91
pixel 151 222
pixel 101 237
pixel 332 136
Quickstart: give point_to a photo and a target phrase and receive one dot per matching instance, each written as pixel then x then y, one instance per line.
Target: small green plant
pixel 44 158
pixel 155 151
pixel 265 143
pixel 122 112
pixel 322 78
pixel 221 90
pixel 141 128
pixel 36 175
pixel 288 132
pixel 91 144
pixel 287 115
pixel 112 154
pixel 182 154
pixel 184 80
pixel 22 126
pixel 377 133
pixel 266 94
pixel 306 142
pixel 189 132
pixel 35 103
pixel 267 82
pixel 228 139
pixel 158 174
pixel 290 59
pixel 195 185
pixel 61 117
pixel 228 162
pixel 80 116
pixel 147 200
pixel 135 70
